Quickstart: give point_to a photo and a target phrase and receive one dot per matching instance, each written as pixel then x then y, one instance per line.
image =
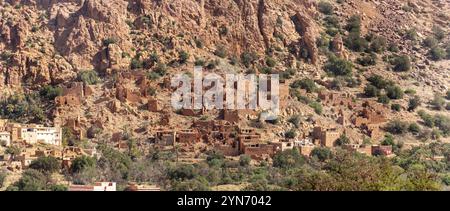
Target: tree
pixel 80 163
pixel 31 180
pixel 49 92
pixel 46 165
pixel 215 158
pixel 244 160
pixel 306 83
pixel 13 151
pixel 397 127
pixel 290 134
pixel 322 153
pixel 353 23
pixel 58 187
pixel 388 140
pixel 339 67
pixel 342 140
pixel 290 158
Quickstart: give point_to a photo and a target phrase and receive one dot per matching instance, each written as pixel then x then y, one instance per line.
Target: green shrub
pixel 396 107
pixel 427 119
pixel 402 63
pixel 383 99
pixel 410 91
pixel 45 164
pixel 439 33
pixel 199 62
pixel 306 83
pixel 317 107
pixel 394 92
pixel 378 44
pixel 430 42
pixel 378 81
pixel 49 92
pixel 290 134
pixel 342 140
pixel 368 60
pixel 437 53
pixel 295 120
pixel 221 51
pixel 183 57
pixel 80 163
pixel 339 67
pixel 371 91
pixel 223 30
pixel 393 48
pixel 414 103
pixel 354 24
pixel 325 7
pixel 248 58
pixel 321 153
pixel 109 41
pixel 411 34
pixel 397 127
pixel 136 63
pixel 89 77
pixel 288 159
pixel 332 21
pixel 414 128
pixel 270 62
pixel 355 42
pixel 31 180
pixel 438 102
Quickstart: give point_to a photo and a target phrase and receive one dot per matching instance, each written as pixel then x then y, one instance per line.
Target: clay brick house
pixel 73 94
pixel 306 149
pixel 152 105
pixel 165 137
pixel 326 137
pixel 68 100
pixel 258 150
pixel 381 150
pixel 227 147
pixel 231 115
pixel 188 136
pixel 165 119
pixel 126 95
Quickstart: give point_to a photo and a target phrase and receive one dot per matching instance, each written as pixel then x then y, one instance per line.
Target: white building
pixel 5 137
pixel 33 134
pixel 99 186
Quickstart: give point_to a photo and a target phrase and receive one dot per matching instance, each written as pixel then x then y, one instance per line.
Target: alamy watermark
pixel 235 92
